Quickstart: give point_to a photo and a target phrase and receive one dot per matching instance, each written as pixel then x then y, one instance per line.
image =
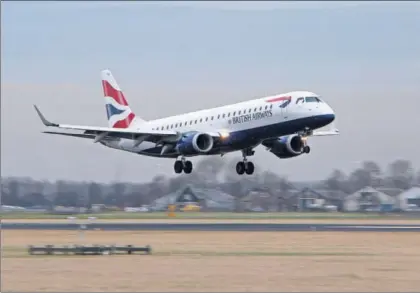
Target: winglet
pixel 43 119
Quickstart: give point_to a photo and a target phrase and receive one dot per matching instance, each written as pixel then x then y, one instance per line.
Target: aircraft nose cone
pixel 328 115
pixel 324 119
pixel 329 118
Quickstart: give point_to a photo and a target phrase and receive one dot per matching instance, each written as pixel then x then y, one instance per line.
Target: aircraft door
pixel 284 107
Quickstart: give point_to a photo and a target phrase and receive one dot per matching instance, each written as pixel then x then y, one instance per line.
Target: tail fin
pixel 117 109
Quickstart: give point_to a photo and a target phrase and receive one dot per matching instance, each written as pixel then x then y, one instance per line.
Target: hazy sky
pixel 169 58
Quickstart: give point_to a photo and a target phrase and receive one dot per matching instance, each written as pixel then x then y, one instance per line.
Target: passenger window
pixel 233 113
pixel 207 118
pixel 260 108
pixel 195 122
pixel 190 122
pixel 255 109
pixel 249 110
pixel 223 115
pixel 239 113
pixel 211 117
pixel 266 107
pixel 271 106
pixel 201 120
pixel 228 114
pixel 218 116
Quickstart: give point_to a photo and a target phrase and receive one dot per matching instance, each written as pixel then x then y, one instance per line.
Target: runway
pixel 212 227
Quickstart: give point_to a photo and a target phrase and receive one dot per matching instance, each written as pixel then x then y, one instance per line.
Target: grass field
pixel 218 261
pixel 220 218
pixel 204 215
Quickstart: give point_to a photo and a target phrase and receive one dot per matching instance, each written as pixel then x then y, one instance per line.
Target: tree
pixel 67 199
pixel 372 168
pixel 374 171
pixel 401 173
pixel 336 180
pixel 34 199
pixel 209 168
pixel 94 194
pixel 418 178
pixel 358 179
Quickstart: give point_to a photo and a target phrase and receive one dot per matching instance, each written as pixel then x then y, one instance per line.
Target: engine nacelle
pixel 287 146
pixel 194 143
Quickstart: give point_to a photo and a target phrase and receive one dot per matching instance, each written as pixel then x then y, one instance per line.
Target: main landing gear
pixel 245 166
pixel 305 133
pixel 183 165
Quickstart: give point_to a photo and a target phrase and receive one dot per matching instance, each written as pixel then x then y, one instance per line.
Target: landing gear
pixel 188 166
pixel 245 166
pixel 183 165
pixel 178 167
pixel 306 149
pixel 249 168
pixel 240 168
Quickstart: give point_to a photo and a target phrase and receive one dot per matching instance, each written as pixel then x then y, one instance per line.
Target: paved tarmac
pixel 212 227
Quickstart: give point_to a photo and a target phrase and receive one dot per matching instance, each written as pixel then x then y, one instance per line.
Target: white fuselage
pixel 252 121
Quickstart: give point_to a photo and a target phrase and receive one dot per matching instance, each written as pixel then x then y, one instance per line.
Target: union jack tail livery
pixel 117 109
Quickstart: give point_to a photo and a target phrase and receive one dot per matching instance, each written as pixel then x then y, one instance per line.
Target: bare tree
pixel 358 179
pixel 374 171
pixel 336 180
pixel 401 173
pixel 417 181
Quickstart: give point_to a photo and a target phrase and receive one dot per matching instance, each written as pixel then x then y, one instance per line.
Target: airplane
pixel 281 123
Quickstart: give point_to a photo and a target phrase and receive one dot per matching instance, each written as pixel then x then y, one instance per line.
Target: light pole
pixel 82 226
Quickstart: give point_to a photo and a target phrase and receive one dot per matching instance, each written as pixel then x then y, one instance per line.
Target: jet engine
pixel 288 146
pixel 194 143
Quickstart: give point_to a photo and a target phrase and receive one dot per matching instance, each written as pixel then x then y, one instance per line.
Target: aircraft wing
pixel 105 133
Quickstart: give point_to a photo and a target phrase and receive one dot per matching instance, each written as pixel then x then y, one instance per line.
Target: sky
pixel 175 57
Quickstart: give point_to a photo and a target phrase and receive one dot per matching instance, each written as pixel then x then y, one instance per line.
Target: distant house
pixel 368 199
pixel 309 199
pixel 391 191
pixel 261 200
pixel 409 200
pixel 207 199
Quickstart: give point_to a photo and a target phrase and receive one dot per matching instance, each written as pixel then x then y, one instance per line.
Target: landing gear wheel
pixel 178 166
pixel 306 149
pixel 249 168
pixel 188 167
pixel 240 168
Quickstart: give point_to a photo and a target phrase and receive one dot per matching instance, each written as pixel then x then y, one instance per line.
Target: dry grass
pixel 391 221
pixel 203 261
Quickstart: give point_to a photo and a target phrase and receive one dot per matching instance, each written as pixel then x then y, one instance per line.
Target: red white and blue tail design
pixel 117 109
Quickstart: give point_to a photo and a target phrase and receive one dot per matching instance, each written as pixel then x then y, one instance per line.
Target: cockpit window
pixel 311 100
pixel 300 100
